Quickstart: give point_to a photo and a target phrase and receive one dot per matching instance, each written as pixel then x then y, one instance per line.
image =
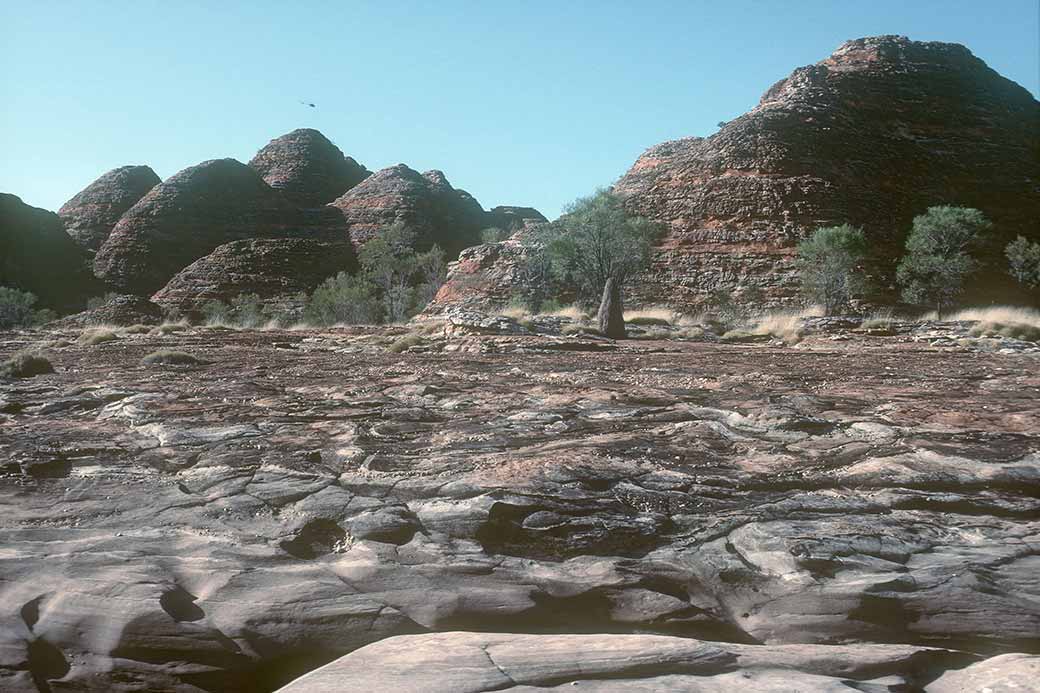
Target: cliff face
pixel 37 255
pixel 90 215
pixel 872 136
pixel 309 169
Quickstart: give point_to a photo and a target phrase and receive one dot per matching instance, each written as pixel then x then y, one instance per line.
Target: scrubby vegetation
pixel 829 265
pixel 493 234
pixel 405 342
pixel 245 310
pixel 25 364
pixel 597 246
pixel 1024 261
pixel 18 309
pixel 167 357
pixel 937 260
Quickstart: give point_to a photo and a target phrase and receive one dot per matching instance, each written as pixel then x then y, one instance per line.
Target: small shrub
pixel 405 342
pixel 1024 261
pixel 493 235
pixel 96 335
pixel 16 308
pixel 137 329
pixel 216 312
pixel 25 364
pixel 168 328
pixel 169 358
pixel 98 301
pixel 343 299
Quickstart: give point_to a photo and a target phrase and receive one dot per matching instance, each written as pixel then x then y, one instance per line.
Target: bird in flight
pixel 308 103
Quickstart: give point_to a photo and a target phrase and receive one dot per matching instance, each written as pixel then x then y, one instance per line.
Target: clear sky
pixel 525 103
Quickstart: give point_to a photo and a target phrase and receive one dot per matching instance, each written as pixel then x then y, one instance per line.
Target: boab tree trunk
pixel 611 311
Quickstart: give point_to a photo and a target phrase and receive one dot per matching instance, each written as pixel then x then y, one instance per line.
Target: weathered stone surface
pixel 272 268
pixel 187 216
pixel 300 494
pixel 309 169
pixel 37 255
pixel 1009 673
pixel 476 662
pixel 872 136
pixel 122 310
pixel 90 215
pixel 513 218
pixel 434 210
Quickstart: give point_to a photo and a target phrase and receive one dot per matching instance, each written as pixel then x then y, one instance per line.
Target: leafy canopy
pixel 828 263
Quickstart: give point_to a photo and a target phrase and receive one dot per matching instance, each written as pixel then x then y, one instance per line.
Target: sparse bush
pixel 937 262
pixel 44 316
pixel 169 358
pixel 216 312
pixel 137 329
pixel 16 308
pixel 98 301
pixel 168 328
pixel 1024 261
pixel 248 310
pixel 96 335
pixel 1015 330
pixel 829 266
pixel 25 364
pixel 405 342
pixel 343 299
pixel 493 234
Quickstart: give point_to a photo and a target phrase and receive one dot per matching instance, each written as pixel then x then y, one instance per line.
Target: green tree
pixel 16 308
pixel 600 246
pixel 937 260
pixel 1024 261
pixel 828 263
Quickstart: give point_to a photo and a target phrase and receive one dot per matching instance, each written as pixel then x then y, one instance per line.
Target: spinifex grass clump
pixel 25 364
pixel 167 357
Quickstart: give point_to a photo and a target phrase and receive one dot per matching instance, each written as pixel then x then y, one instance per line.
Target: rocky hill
pixel 271 268
pixel 427 203
pixel 873 135
pixel 37 255
pixel 187 216
pixel 308 168
pixel 90 215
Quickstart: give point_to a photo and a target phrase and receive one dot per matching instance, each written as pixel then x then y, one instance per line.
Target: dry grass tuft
pixel 25 364
pixel 1014 330
pixel 405 342
pixel 169 328
pixel 654 315
pixel 1007 315
pixel 96 335
pixel 165 357
pixel 572 311
pixel 136 329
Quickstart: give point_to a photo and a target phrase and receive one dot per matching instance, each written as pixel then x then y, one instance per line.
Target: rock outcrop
pixel 872 136
pixel 427 203
pixel 297 495
pixel 512 219
pixel 475 662
pixel 309 169
pixel 188 215
pixel 272 268
pixel 92 213
pixel 37 255
pixel 123 310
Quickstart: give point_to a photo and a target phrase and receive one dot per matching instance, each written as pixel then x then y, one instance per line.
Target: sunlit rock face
pixel 872 136
pixel 309 169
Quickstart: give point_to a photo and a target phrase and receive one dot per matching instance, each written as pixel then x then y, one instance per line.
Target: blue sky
pixel 531 103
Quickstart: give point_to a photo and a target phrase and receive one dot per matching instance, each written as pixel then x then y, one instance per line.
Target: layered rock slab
pixel 92 213
pixel 474 662
pixel 309 169
pixel 298 495
pixel 271 268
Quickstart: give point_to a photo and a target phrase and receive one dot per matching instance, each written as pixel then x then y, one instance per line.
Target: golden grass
pixel 653 315
pixel 96 335
pixel 572 311
pixel 169 328
pixel 995 314
pixel 515 312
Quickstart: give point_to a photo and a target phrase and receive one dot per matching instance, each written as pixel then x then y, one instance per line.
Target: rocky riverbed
pixel 855 512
